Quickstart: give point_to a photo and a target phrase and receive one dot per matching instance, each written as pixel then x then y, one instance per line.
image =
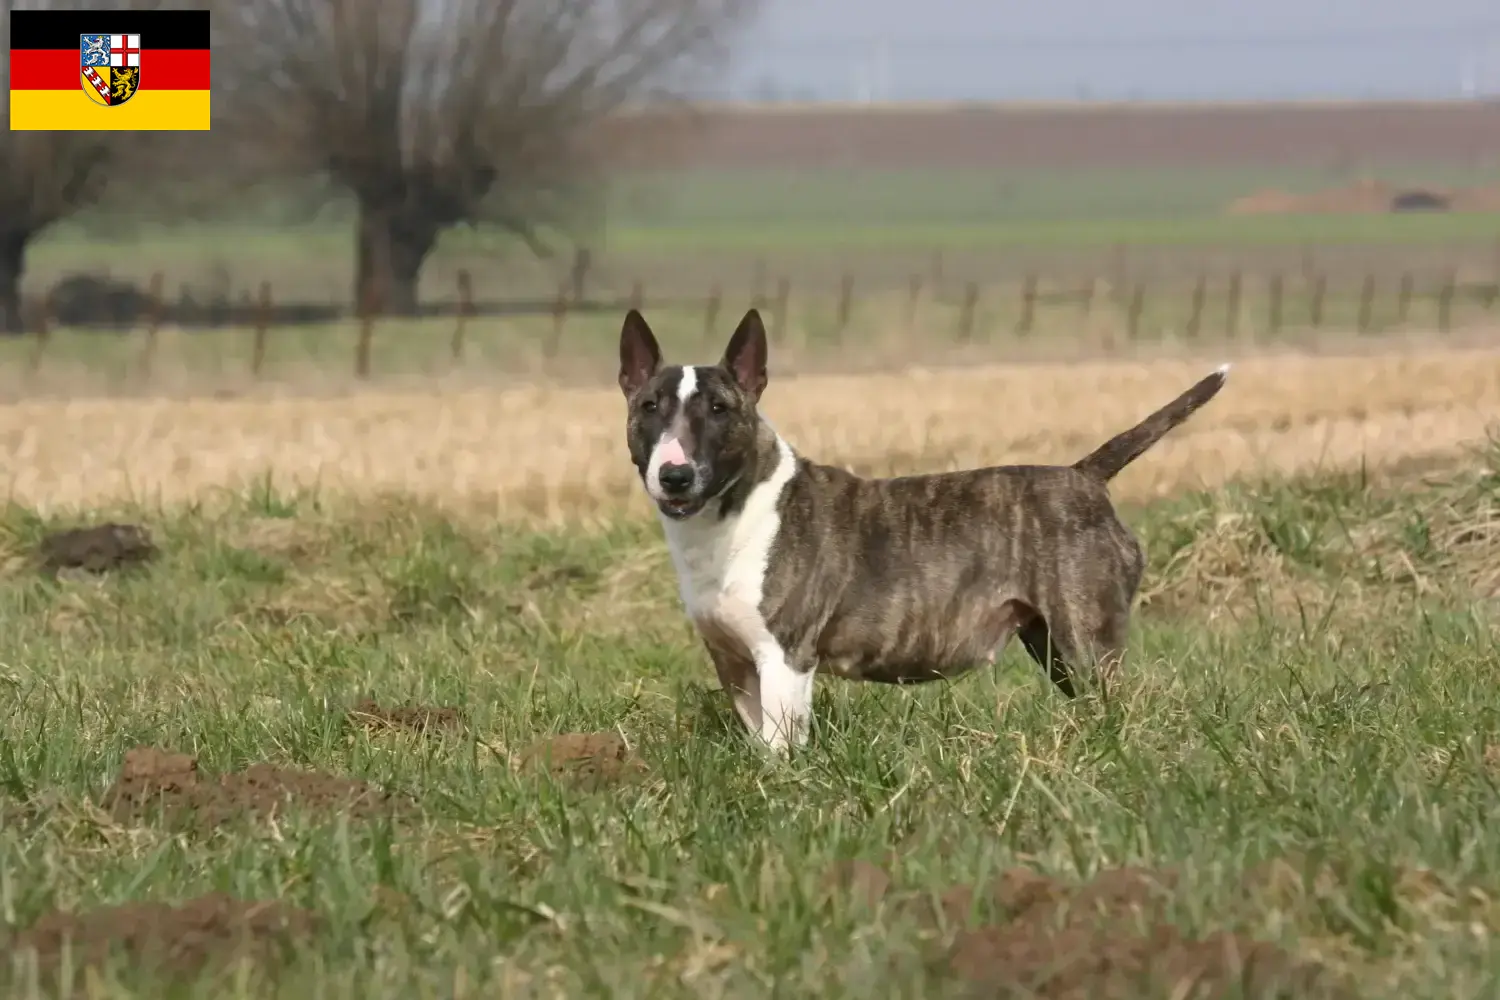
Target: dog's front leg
pixel 785 697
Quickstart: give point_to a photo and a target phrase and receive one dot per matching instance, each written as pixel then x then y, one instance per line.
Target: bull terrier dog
pixel 787 567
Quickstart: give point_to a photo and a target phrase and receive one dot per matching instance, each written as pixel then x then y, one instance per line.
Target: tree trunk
pixel 392 245
pixel 12 262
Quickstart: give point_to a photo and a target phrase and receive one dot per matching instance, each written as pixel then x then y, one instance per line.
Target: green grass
pixel 865 208
pixel 1329 713
pixel 677 216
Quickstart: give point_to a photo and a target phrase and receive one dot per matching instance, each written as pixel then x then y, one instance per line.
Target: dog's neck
pixel 764 462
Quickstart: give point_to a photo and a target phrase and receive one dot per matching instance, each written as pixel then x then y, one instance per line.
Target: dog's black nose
pixel 676 478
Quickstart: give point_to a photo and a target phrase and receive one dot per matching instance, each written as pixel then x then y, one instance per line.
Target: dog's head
pixel 692 430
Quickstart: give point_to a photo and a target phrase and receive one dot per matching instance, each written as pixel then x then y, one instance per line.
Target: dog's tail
pixel 1106 461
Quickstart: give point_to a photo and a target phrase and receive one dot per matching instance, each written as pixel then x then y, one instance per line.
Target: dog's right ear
pixel 640 356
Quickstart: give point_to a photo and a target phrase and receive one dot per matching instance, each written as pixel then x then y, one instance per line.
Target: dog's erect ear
pixel 640 356
pixel 745 357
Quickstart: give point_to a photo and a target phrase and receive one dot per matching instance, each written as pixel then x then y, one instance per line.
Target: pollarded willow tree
pixel 438 113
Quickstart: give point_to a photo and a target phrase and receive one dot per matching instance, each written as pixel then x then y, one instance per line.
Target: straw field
pixel 550 453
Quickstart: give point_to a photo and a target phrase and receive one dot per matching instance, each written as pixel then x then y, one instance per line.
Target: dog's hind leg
pixel 1078 654
pixel 1037 639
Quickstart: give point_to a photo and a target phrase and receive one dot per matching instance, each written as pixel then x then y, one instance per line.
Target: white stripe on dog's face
pixel 672 447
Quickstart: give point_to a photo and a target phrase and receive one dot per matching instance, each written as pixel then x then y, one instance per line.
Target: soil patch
pixel 1369 196
pixel 1108 938
pixel 862 882
pixel 176 940
pixel 96 549
pixel 589 760
pixel 425 719
pixel 159 782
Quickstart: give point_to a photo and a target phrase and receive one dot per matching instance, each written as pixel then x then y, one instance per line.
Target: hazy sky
pixel 1169 49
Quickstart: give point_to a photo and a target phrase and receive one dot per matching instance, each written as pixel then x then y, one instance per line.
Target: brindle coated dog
pixel 788 567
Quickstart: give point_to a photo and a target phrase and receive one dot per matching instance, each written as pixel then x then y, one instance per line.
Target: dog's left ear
pixel 640 356
pixel 745 357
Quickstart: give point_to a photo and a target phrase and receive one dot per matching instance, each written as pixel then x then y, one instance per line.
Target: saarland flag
pixel 83 71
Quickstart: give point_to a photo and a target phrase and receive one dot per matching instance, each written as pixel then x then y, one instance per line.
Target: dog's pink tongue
pixel 671 452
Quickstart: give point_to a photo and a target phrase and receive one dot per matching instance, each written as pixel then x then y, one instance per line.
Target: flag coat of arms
pixel 76 70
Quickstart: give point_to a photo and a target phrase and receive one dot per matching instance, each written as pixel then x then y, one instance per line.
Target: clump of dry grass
pixel 547 453
pixel 1290 546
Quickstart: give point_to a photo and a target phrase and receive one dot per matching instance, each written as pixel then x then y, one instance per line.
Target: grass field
pixel 405 706
pixel 1304 757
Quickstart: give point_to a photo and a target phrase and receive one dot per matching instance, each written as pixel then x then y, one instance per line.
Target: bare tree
pixel 436 113
pixel 47 177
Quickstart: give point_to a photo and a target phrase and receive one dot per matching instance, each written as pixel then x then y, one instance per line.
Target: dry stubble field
pixel 555 453
pixel 401 705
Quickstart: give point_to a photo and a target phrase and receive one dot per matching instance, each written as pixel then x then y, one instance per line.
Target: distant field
pixel 686 230
pixel 808 191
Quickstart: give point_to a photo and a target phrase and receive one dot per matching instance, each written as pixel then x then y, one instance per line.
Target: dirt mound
pixel 1368 196
pixel 1108 938
pixel 156 782
pixel 590 760
pixel 96 549
pixel 429 720
pixel 175 940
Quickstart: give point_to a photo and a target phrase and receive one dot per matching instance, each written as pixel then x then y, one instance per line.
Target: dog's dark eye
pixel 649 406
pixel 717 406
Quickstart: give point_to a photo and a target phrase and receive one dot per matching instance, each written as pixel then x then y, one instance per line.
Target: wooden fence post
pixel 583 262
pixel 1027 320
pixel 711 311
pixel 637 295
pixel 1195 310
pixel 967 310
pixel 758 284
pixel 1445 302
pixel 553 344
pixel 1232 305
pixel 1309 263
pixel 370 304
pixel 262 330
pixel 1137 309
pixel 1274 308
pixel 846 306
pixel 1403 298
pixel 913 296
pixel 1315 302
pixel 780 317
pixel 1366 303
pixel 153 324
pixel 465 311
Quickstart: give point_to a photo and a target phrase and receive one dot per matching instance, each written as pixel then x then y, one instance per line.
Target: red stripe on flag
pixel 61 69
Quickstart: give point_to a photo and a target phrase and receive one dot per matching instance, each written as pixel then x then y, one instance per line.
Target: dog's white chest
pixel 722 564
pixel 721 567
